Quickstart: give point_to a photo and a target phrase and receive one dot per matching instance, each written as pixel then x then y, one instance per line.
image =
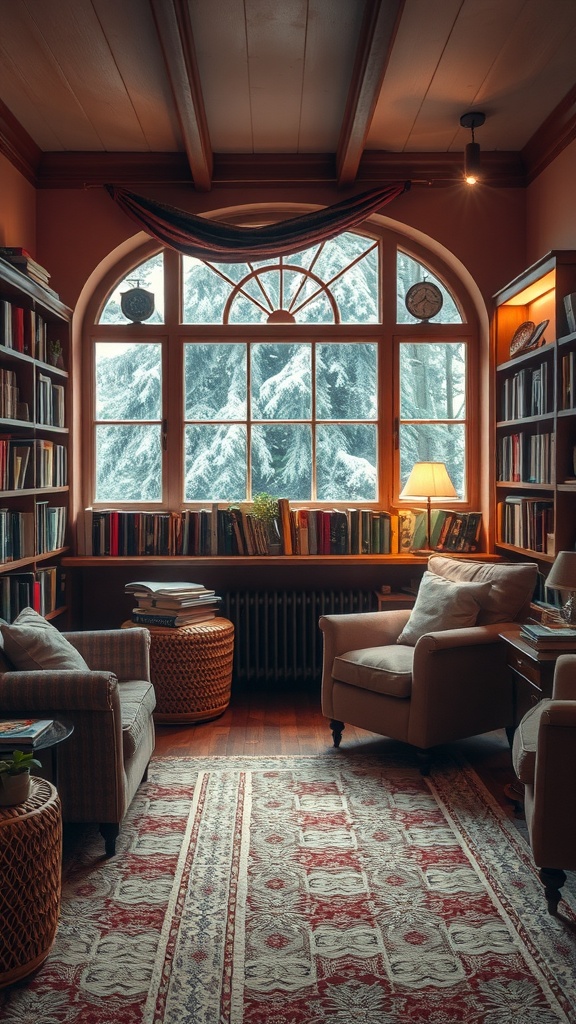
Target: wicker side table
pixel 30 880
pixel 191 669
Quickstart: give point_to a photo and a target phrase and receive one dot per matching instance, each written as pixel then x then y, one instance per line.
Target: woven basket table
pixel 30 880
pixel 191 669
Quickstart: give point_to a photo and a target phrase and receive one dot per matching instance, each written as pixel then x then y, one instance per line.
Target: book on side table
pixel 22 730
pixel 549 638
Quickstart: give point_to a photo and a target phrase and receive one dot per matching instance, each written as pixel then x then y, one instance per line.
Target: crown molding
pixel 17 146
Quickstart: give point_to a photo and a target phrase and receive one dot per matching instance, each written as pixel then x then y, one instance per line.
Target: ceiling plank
pixel 374 48
pixel 175 31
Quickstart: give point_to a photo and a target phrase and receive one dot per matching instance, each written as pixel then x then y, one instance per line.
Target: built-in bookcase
pixel 535 407
pixel 34 452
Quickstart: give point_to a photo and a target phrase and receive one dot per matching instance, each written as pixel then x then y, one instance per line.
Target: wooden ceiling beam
pixel 376 40
pixel 172 18
pixel 554 135
pixel 17 146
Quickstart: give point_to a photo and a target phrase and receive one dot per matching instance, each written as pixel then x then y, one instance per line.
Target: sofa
pixel 99 681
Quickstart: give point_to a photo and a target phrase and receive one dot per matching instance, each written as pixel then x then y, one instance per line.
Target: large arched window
pixel 304 376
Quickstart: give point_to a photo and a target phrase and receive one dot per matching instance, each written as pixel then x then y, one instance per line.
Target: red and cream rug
pixel 305 890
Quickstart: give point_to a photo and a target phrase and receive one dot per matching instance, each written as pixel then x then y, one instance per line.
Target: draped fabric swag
pixel 220 242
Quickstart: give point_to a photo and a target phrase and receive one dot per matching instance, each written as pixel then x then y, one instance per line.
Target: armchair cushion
pixel 32 643
pixel 526 742
pixel 381 669
pixel 511 585
pixel 442 604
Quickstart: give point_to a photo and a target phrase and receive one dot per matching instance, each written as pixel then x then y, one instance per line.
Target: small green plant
pixel 265 507
pixel 18 763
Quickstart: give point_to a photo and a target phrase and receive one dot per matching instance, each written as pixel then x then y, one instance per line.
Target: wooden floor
pixel 291 722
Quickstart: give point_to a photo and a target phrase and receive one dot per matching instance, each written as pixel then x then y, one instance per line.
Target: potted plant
pixel 55 353
pixel 265 508
pixel 15 777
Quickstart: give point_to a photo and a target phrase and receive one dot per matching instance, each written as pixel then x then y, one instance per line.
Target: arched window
pixel 304 376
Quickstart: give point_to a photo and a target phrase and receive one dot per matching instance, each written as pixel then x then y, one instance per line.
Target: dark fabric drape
pixel 219 242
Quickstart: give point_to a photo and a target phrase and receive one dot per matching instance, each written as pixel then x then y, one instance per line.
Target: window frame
pixel 388 334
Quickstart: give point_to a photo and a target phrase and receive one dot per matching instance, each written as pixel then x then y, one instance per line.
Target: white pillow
pixel 441 604
pixel 32 643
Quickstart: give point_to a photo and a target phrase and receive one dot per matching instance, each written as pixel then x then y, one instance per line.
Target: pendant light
pixel 474 119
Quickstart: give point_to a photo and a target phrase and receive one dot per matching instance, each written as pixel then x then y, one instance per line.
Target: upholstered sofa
pixel 437 673
pixel 544 757
pixel 105 692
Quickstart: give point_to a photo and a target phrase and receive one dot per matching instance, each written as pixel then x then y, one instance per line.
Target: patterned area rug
pixel 305 890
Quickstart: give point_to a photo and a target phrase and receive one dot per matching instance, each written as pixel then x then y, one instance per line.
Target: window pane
pixel 346 382
pixel 346 463
pixel 215 382
pixel 282 460
pixel 408 272
pixel 431 442
pixel 204 293
pixel 128 381
pixel 433 381
pixel 128 463
pixel 281 382
pixel 215 463
pixel 150 276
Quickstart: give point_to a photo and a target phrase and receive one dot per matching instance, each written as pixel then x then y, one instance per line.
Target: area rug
pixel 305 890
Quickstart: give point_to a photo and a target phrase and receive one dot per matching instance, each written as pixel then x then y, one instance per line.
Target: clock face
pixel 424 300
pixel 137 304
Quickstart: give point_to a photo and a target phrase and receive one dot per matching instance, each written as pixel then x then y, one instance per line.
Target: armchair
pixel 110 705
pixel 544 758
pixel 436 674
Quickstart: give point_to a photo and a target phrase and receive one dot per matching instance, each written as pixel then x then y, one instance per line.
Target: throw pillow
pixel 441 604
pixel 32 643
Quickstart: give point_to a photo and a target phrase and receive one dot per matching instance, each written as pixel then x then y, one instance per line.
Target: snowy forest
pixel 264 394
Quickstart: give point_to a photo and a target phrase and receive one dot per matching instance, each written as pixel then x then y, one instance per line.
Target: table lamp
pixel 428 480
pixel 562 576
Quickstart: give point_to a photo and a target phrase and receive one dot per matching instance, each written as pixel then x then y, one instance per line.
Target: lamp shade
pixel 562 575
pixel 472 163
pixel 428 480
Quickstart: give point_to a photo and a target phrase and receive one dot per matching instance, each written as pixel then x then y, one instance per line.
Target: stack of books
pixel 22 730
pixel 549 638
pixel 22 259
pixel 172 604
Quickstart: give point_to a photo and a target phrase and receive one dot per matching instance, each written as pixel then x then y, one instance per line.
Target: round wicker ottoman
pixel 30 880
pixel 191 669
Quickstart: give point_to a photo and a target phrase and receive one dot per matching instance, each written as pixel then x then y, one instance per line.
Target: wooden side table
pixel 30 880
pixel 191 669
pixel 533 672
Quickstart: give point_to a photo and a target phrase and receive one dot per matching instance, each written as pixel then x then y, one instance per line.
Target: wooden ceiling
pixel 213 92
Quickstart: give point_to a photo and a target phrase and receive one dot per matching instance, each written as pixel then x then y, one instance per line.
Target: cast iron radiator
pixel 277 639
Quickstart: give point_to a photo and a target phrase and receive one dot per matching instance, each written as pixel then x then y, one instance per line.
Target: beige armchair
pixel 438 673
pixel 544 757
pixel 110 706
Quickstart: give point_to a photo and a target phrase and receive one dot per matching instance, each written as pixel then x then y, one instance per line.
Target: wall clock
pixel 137 304
pixel 424 300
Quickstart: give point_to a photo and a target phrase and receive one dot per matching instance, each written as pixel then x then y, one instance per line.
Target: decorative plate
pixel 521 337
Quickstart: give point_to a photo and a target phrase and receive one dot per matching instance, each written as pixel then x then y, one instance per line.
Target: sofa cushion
pixel 385 670
pixel 441 604
pixel 137 702
pixel 32 643
pixel 512 585
pixel 526 741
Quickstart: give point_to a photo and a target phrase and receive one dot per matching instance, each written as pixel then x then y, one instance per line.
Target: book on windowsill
pixel 22 730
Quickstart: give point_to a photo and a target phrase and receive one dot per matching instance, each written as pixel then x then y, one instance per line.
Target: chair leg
pixel 337 730
pixel 424 760
pixel 553 879
pixel 110 834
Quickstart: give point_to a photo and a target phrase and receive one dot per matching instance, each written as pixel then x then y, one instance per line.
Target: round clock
pixel 424 300
pixel 137 304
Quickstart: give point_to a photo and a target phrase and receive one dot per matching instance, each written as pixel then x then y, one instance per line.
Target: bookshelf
pixel 34 457
pixel 535 414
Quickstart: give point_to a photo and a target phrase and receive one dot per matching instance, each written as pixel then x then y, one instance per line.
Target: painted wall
pixel 551 208
pixel 17 209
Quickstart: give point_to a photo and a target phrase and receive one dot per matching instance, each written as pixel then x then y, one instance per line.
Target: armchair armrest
pixel 468 636
pixel 564 687
pixel 126 652
pixel 42 691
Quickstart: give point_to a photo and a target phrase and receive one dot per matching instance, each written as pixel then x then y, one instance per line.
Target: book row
pixel 50 402
pixel 29 463
pixel 526 458
pixel 25 534
pixel 23 330
pixel 42 590
pixel 568 382
pixel 526 393
pixel 526 522
pixel 50 527
pixel 296 531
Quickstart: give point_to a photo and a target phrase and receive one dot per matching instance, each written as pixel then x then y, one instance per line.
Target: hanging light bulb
pixel 472 120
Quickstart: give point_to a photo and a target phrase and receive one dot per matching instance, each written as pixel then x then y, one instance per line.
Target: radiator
pixel 277 639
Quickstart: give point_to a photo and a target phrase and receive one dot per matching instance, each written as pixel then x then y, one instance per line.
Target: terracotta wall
pixel 17 208
pixel 551 208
